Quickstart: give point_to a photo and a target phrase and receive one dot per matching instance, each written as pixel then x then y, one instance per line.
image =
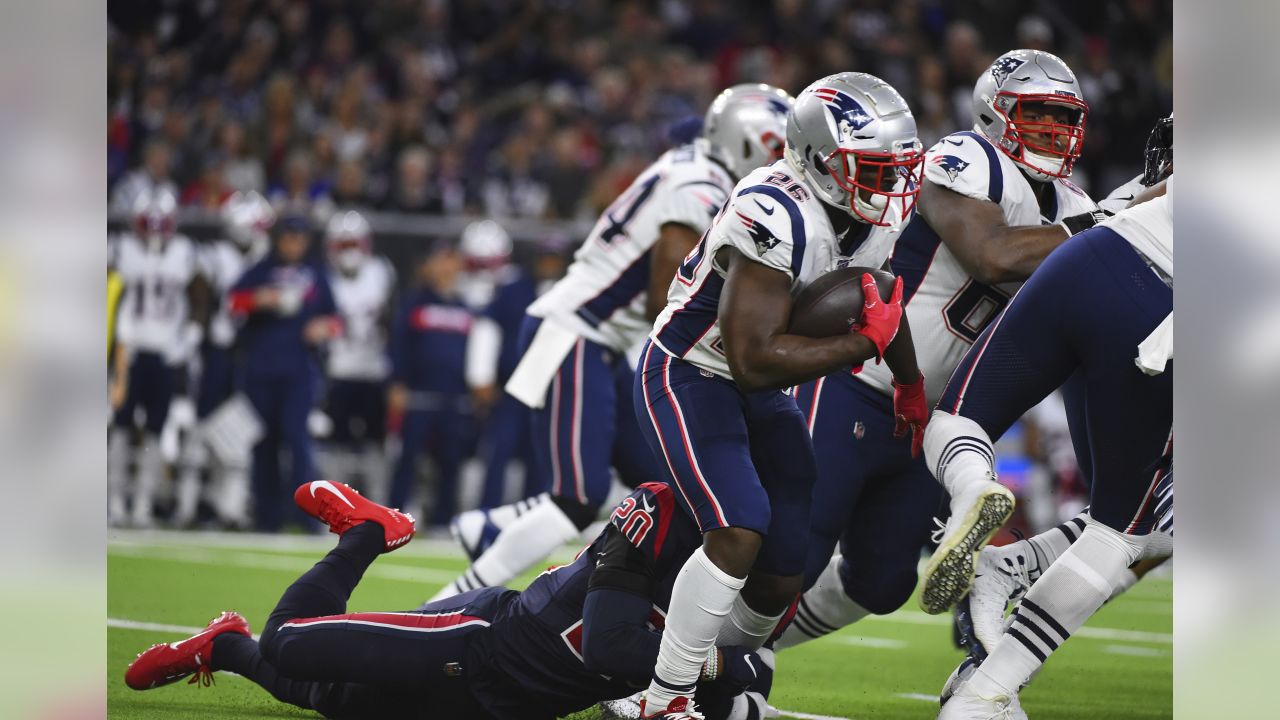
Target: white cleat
pixel 964 704
pixel 976 514
pixel 958 677
pixel 627 708
pixel 1000 579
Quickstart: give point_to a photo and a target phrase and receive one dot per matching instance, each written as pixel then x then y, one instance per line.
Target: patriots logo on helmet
pixel 848 113
pixel 1004 67
pixel 951 164
pixel 764 239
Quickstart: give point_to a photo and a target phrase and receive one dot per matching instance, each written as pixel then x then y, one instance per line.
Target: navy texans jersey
pixel 537 639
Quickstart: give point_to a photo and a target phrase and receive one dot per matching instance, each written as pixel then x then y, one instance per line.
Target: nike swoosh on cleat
pixel 767 211
pixel 326 485
pixel 747 657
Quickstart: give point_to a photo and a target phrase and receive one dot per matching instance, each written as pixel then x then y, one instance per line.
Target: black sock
pixel 325 588
pixel 241 655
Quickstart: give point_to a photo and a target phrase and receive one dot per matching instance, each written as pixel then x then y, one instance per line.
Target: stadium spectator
pixel 152 176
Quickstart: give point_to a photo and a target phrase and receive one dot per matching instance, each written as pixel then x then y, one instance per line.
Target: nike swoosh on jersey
pixel 644 500
pixel 326 485
pixel 767 210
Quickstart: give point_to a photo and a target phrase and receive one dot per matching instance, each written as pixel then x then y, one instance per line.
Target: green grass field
pixel 1119 667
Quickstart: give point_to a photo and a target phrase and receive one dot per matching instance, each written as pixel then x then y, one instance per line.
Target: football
pixel 831 304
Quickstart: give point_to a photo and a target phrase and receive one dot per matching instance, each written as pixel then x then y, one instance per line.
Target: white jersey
pixel 602 296
pixel 946 308
pixel 1120 198
pixel 773 219
pixel 154 310
pixel 360 353
pixel 222 263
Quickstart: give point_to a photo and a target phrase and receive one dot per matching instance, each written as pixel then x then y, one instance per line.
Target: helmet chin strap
pixel 871 208
pixel 1042 167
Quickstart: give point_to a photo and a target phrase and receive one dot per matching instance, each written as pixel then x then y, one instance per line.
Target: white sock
pixel 117 474
pixel 1046 547
pixel 958 452
pixel 504 515
pixel 823 609
pixel 1127 579
pixel 232 504
pixel 746 627
pixel 1057 604
pixel 188 495
pixel 702 596
pixel 147 481
pixel 530 538
pixel 373 470
pixel 1159 546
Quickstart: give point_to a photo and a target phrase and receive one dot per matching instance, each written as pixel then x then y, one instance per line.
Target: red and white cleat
pixel 170 662
pixel 681 708
pixel 342 508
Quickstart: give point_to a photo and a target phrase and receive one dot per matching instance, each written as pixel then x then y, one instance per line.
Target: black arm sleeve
pixel 615 640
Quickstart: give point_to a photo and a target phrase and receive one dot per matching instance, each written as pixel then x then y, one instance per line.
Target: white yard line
pixel 807 716
pixel 911 617
pixel 282 563
pixel 923 697
pixel 872 642
pixel 1134 650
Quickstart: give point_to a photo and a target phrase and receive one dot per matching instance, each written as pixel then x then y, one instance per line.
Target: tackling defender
pixel 708 392
pixel 581 633
pixel 576 371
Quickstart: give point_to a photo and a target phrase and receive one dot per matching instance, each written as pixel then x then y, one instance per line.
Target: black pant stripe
pixel 1030 646
pixel 1046 617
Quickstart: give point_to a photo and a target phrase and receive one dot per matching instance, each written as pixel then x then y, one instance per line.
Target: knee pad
pixel 580 514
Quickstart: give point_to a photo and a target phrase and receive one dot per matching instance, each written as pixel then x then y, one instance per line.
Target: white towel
pixel 548 349
pixel 1154 352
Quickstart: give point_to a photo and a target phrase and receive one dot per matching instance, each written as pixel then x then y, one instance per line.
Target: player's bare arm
pixel 675 241
pixel 976 233
pixel 754 310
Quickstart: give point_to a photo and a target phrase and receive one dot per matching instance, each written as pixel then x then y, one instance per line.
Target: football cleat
pixel 474 531
pixel 627 708
pixel 170 662
pixel 964 704
pixel 681 708
pixel 961 674
pixel 1000 578
pixel 342 508
pixel 976 514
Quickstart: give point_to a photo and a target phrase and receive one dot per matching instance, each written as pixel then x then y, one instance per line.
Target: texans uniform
pixel 358 364
pixel 744 459
pixel 151 321
pixel 583 420
pixel 871 496
pixel 488 653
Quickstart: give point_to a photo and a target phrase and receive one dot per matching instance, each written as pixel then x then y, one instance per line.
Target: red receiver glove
pixel 910 412
pixel 879 321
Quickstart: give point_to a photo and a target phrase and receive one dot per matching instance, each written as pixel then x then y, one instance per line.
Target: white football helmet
pixel 348 240
pixel 485 245
pixel 745 127
pixel 247 218
pixel 1022 78
pixel 854 139
pixel 155 214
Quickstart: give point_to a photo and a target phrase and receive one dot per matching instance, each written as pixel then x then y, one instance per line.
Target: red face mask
pixel 878 174
pixel 1036 135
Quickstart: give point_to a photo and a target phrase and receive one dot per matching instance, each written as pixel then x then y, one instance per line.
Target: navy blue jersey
pixel 537 642
pixel 429 343
pixel 511 298
pixel 273 342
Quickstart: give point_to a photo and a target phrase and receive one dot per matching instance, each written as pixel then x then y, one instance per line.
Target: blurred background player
pixel 499 291
pixel 247 219
pixel 710 385
pixel 427 402
pixel 154 335
pixel 579 339
pixel 286 312
pixel 356 395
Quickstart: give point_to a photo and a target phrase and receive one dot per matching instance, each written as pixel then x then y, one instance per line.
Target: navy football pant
pixel 151 386
pixel 313 654
pixel 507 436
pixel 283 402
pixel 1082 314
pixel 217 379
pixel 871 497
pixel 735 459
pixel 443 435
pixel 588 425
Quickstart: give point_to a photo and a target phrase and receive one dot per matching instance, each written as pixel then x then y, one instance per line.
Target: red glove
pixel 879 321
pixel 910 412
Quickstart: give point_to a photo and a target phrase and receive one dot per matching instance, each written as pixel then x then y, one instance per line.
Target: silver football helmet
pixel 485 245
pixel 745 125
pixel 348 240
pixel 248 218
pixel 155 213
pixel 1009 102
pixel 854 138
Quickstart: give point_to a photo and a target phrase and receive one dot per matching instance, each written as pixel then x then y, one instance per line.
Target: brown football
pixel 831 304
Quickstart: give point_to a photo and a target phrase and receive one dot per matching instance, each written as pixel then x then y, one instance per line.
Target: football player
pixel 994 203
pixel 709 390
pixel 154 335
pixel 579 339
pixel 1099 309
pixel 357 360
pixel 1157 165
pixel 580 633
pixel 247 219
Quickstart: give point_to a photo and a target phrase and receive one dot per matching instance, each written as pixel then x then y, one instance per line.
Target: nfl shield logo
pixel 859 430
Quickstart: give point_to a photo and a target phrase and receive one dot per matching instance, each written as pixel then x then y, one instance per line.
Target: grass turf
pixel 888 668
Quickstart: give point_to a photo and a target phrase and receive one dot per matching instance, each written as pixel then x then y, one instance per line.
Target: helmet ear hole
pixel 819 165
pixel 986 118
pixel 746 149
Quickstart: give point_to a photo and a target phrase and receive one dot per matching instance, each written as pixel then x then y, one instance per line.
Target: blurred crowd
pixel 547 108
